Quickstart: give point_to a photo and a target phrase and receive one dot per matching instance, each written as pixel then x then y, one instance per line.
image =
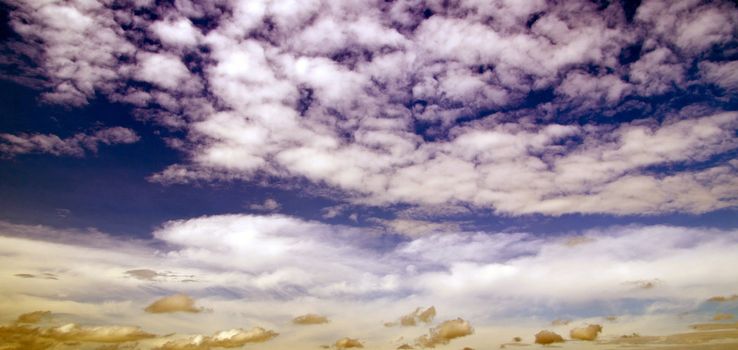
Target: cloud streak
pixel 76 146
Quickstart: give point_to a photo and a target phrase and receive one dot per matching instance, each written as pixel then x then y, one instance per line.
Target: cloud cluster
pixel 491 104
pixel 34 338
pixel 282 257
pixel 263 270
pixel 20 335
pixel 76 145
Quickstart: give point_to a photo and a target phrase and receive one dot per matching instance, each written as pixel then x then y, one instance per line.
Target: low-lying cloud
pixel 173 303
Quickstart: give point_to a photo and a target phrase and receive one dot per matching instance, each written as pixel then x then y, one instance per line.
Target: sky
pixel 306 174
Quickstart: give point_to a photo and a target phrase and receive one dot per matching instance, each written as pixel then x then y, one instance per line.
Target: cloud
pixel 547 337
pixel 45 275
pixel 419 315
pixel 444 333
pixel 33 317
pixel 415 228
pixel 238 337
pixel 644 284
pixel 722 316
pixel 17 336
pixel 348 343
pixel 310 319
pixel 269 205
pixel 723 299
pixel 143 274
pixel 253 273
pixel 25 337
pixel 714 326
pixel 437 115
pixel 705 338
pixel 588 333
pixel 76 146
pixel 173 303
pixel 560 322
pixel 234 338
pixel 176 32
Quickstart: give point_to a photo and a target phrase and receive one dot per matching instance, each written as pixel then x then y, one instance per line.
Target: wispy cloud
pixel 76 146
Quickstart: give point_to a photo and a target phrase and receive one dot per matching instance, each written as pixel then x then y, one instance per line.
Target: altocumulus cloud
pixel 436 98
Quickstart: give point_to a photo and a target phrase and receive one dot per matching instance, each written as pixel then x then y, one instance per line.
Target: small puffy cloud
pixel 76 145
pixel 405 347
pixel 269 204
pixel 179 32
pixel 310 319
pixel 444 333
pixel 547 337
pixel 173 303
pixel 163 70
pixel 588 333
pixel 33 317
pixel 348 343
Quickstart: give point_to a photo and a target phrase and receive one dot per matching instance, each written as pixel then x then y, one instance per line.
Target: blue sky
pixel 510 163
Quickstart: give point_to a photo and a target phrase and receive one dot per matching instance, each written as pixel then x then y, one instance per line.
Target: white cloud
pixel 269 204
pixel 176 32
pixel 164 70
